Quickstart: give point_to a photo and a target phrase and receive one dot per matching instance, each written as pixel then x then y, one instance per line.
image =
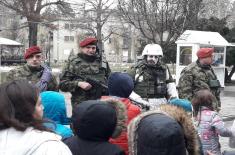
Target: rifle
pixel 95 83
pixel 140 104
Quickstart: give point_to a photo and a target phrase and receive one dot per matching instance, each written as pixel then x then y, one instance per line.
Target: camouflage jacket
pixel 195 77
pixel 151 81
pixel 87 68
pixel 32 75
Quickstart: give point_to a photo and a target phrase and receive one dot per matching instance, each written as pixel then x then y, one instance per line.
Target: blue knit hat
pixel 183 103
pixel 120 85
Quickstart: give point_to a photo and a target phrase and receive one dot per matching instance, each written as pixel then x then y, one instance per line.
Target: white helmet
pixel 152 49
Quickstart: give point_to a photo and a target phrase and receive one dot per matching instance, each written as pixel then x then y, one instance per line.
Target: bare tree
pixel 32 10
pixel 160 21
pixel 93 14
pixel 215 8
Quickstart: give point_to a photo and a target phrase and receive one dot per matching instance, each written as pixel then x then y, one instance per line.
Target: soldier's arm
pixel 185 85
pixel 10 76
pixel 66 83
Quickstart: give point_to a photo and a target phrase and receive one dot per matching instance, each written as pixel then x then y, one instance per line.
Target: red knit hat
pixel 32 50
pixel 88 41
pixel 205 52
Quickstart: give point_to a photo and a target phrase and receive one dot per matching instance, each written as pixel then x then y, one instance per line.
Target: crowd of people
pixel 107 113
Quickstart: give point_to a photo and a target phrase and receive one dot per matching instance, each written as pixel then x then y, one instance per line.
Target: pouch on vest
pixel 214 83
pixel 161 90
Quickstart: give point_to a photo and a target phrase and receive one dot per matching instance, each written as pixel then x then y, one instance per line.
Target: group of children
pixel 30 123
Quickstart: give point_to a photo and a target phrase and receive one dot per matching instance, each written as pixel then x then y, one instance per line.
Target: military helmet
pixel 152 49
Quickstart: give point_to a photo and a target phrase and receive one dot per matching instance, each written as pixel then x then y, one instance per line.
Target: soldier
pixel 34 72
pixel 88 64
pixel 152 78
pixel 200 75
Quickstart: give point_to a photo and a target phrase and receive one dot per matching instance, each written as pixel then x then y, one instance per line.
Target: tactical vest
pixel 150 82
pixel 95 70
pixel 203 77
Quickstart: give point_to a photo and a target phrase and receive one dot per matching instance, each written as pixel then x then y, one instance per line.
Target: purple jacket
pixel 210 126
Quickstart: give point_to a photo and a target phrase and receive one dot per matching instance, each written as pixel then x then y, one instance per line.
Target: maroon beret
pixel 88 41
pixel 205 52
pixel 32 50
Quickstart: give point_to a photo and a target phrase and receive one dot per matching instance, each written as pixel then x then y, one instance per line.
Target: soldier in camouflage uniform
pixel 34 72
pixel 200 75
pixel 87 64
pixel 152 78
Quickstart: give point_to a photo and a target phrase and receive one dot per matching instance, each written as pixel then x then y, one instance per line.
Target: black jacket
pixel 79 146
pixel 94 123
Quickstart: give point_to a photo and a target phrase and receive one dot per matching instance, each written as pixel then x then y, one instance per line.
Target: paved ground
pixel 227 111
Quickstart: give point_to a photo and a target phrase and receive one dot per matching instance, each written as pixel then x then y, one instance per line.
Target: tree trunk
pixel 99 37
pixel 129 44
pixel 33 30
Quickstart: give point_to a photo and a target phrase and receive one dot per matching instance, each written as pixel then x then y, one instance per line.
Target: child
pixel 94 122
pixel 210 125
pixel 55 110
pixel 164 131
pixel 21 124
pixel 120 86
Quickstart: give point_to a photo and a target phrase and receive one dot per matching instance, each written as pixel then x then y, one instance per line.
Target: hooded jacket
pixel 31 142
pixel 132 112
pixel 210 125
pixel 55 110
pixel 120 86
pixel 94 123
pixel 164 131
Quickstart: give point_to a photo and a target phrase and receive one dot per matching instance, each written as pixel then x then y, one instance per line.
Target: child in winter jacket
pixel 55 110
pixel 120 86
pixel 208 122
pixel 22 131
pixel 94 122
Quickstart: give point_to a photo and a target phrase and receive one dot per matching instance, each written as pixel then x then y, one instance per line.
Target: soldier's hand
pixel 84 85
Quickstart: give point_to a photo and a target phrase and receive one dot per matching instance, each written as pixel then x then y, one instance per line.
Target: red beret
pixel 32 50
pixel 205 52
pixel 88 41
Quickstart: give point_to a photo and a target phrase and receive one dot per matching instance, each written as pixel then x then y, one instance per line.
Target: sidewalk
pixel 227 111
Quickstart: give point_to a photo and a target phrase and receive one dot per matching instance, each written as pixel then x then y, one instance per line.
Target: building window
pixel 69 38
pixel 66 26
pixel 125 44
pixel 66 38
pixel 70 26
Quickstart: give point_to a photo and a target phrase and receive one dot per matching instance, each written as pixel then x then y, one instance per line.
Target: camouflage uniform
pixel 33 75
pixel 87 67
pixel 151 81
pixel 195 77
